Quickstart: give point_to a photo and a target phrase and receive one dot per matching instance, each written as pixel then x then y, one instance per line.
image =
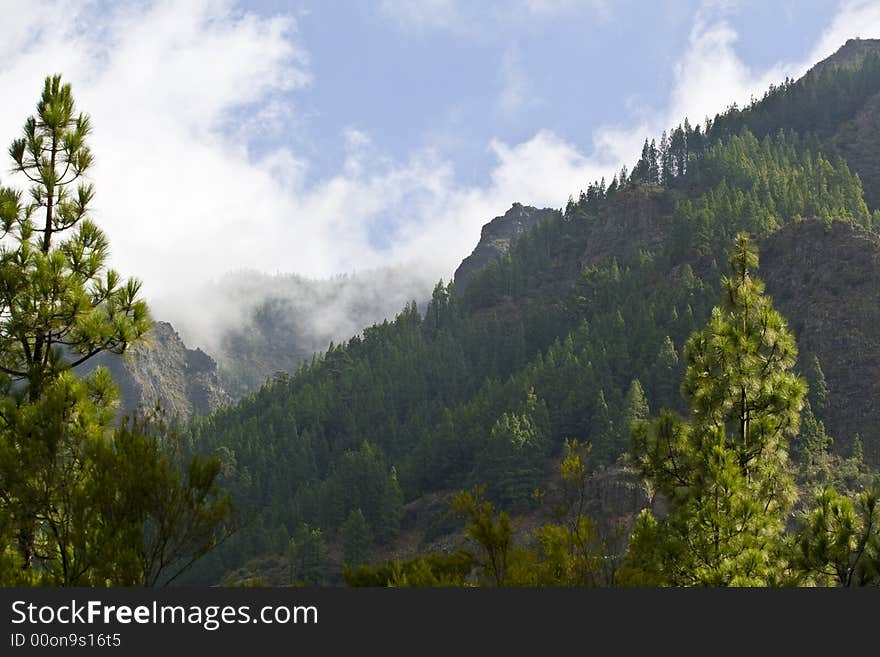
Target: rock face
pixel 617 491
pixel 499 236
pixel 161 369
pixel 858 141
pixel 826 281
pixel 636 221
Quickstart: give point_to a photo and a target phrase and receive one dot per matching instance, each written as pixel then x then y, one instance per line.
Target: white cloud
pixel 856 19
pixel 183 200
pixel 177 90
pixel 542 171
pixel 177 196
pixel 710 76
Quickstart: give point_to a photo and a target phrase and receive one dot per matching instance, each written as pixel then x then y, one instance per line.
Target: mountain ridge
pixel 498 236
pixel 550 332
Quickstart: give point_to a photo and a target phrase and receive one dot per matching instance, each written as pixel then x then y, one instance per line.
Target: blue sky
pixel 409 84
pixel 455 75
pixel 338 136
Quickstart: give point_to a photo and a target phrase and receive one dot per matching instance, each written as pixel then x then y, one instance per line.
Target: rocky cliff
pixel 498 236
pixel 161 369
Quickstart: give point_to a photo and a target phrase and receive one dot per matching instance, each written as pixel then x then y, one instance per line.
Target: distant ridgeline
pixel 575 327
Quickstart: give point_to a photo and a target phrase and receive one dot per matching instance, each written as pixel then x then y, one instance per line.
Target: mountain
pixel 254 326
pixel 563 325
pixel 498 236
pixel 162 369
pixel 809 268
pixel 836 104
pixel 257 324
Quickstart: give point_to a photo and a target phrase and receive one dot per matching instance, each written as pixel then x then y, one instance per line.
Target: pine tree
pixel 812 442
pixel 59 306
pixel 635 410
pixel 653 164
pixel 82 502
pixel 839 541
pixel 663 374
pixel 641 172
pixel 356 538
pixel 391 509
pixel 510 464
pixel 818 394
pixel 602 432
pixel 665 161
pixel 305 555
pixel 739 375
pixel 724 474
pixel 678 152
pixel 635 406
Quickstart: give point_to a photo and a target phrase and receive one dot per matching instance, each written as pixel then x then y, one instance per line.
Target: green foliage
pixel 568 552
pixel 635 411
pixel 839 540
pixel 361 480
pixel 48 476
pixel 81 503
pixel 158 506
pixel 810 447
pixel 441 396
pixel 724 475
pixel 818 103
pixel 739 378
pixel 120 509
pixel 635 406
pixel 356 538
pixel 428 394
pixel 437 569
pixel 511 464
pixel 306 555
pixel 60 304
pixel 758 186
pixel 491 532
pixel 818 394
pixel 643 565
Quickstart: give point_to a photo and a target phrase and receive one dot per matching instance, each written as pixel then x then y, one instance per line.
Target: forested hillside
pixel 576 332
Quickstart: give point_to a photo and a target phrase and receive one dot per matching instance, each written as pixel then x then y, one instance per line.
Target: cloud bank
pixel 179 92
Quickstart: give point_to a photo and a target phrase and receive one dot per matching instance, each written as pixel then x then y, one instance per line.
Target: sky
pixel 337 136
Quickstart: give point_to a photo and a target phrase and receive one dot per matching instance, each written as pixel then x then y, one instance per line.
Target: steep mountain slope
pixel 826 281
pixel 858 141
pixel 571 328
pixel 836 104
